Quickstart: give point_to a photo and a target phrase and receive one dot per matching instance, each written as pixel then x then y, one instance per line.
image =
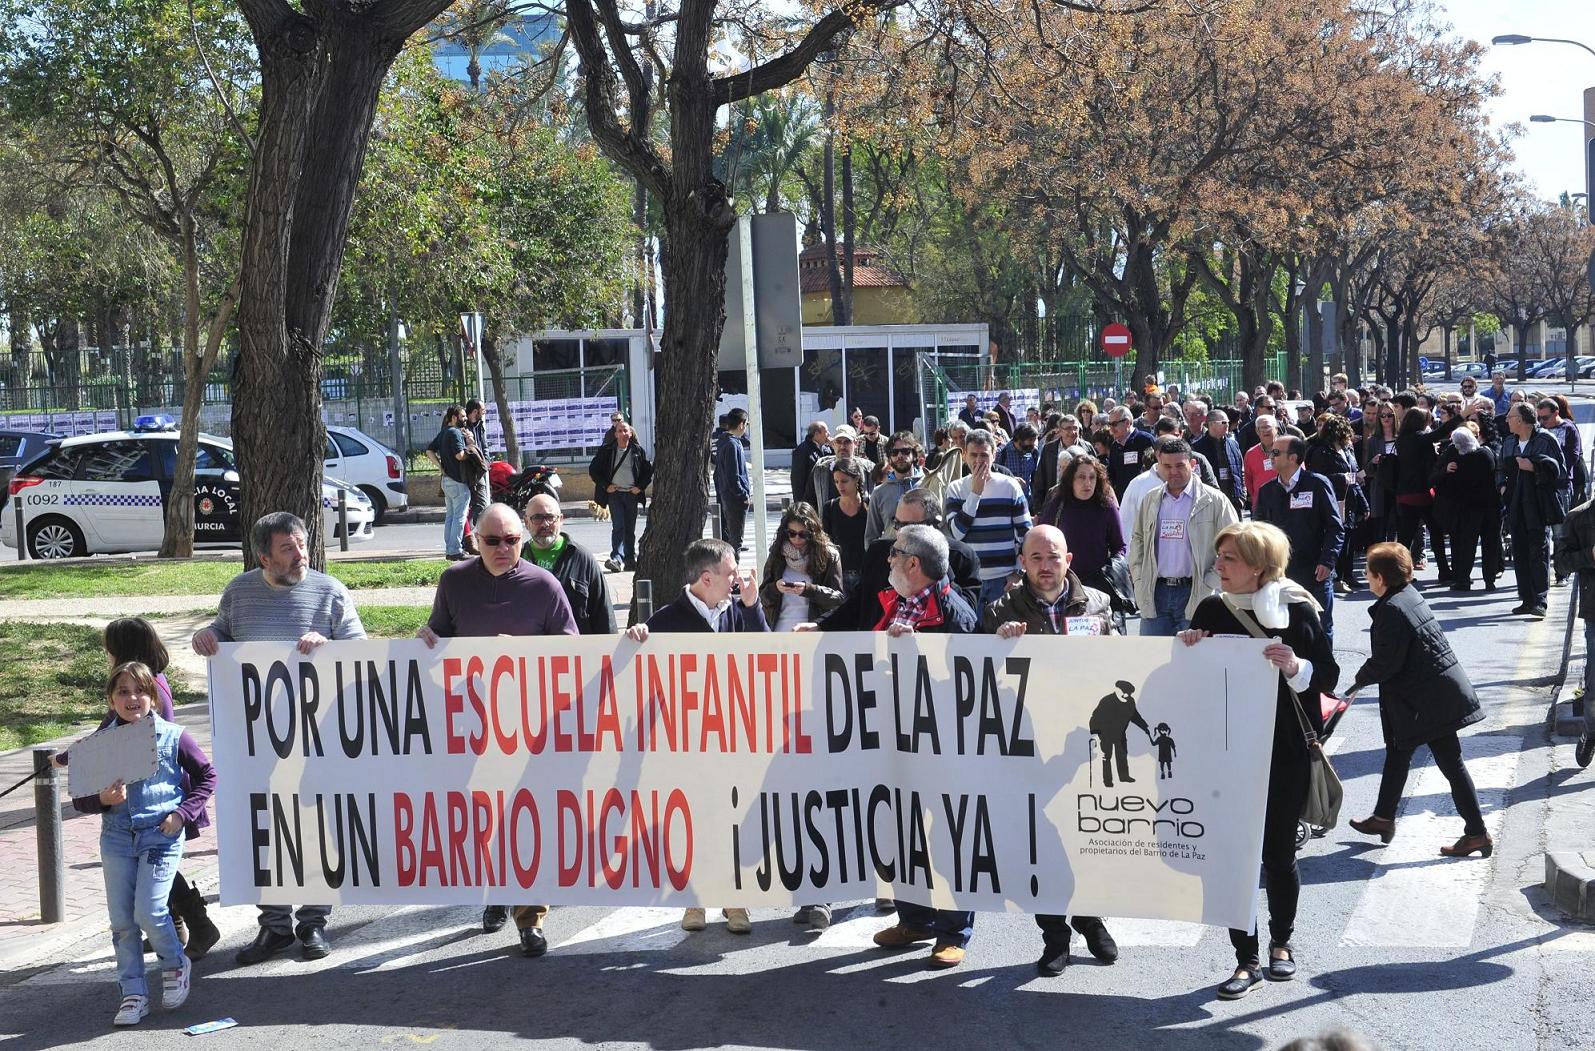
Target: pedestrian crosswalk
pixel 1410 898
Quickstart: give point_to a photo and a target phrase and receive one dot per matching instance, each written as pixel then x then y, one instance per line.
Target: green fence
pixel 944 384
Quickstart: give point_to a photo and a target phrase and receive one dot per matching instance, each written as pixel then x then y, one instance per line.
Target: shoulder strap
pixel 1256 630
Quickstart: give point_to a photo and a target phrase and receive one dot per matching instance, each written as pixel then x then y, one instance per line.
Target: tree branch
pixel 788 66
pixel 227 104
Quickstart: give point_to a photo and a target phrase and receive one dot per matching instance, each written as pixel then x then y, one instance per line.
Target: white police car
pixel 108 492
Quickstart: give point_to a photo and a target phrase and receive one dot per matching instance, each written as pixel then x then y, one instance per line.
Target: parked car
pixel 107 493
pixel 16 449
pixel 1539 366
pixel 377 471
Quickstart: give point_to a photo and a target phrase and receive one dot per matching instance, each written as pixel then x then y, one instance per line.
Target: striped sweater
pixel 993 523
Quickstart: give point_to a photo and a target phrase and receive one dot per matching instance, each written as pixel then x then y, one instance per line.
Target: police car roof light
pixel 160 422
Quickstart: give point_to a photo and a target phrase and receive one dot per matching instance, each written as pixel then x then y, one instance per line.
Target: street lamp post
pixel 1519 38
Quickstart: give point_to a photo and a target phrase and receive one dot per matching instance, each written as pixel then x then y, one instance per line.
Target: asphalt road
pixel 1412 950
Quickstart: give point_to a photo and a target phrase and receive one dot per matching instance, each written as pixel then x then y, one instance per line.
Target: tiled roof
pixel 870 270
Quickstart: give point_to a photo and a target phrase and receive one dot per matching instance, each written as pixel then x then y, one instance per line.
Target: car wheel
pixel 55 537
pixel 379 506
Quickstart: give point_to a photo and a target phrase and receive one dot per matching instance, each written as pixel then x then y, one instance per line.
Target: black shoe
pixel 1585 750
pixel 1099 941
pixel 630 565
pixel 1281 970
pixel 313 944
pixel 1535 612
pixel 267 943
pixel 1461 588
pixel 1052 962
pixel 1125 779
pixel 494 918
pixel 533 941
pixel 1238 987
pixel 1523 608
pixel 1489 585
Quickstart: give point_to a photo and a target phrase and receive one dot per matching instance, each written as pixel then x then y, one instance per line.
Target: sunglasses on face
pixel 900 452
pixel 495 541
pixel 798 534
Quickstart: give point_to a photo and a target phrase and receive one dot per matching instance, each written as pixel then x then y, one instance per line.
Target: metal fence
pixel 90 389
pixel 944 384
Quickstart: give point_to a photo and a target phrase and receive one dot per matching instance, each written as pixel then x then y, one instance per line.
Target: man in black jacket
pixel 1530 474
pixel 1053 601
pixel 707 603
pixel 861 609
pixel 808 452
pixel 1303 504
pixel 922 600
pixel 1131 452
pixel 1224 453
pixel 573 566
pixel 621 475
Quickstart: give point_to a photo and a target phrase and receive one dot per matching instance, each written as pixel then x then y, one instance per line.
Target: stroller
pixel 517 489
pixel 1333 708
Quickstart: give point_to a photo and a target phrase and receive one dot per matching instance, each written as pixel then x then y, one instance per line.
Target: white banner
pixel 775 769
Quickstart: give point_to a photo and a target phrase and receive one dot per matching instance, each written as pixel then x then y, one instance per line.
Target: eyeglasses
pixel 897 552
pixel 1546 417
pixel 1387 415
pixel 495 541
pixel 1279 452
pixel 541 519
pixel 900 452
pixel 1118 423
pixel 798 534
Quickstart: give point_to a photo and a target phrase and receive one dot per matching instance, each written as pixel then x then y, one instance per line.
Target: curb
pixel 1570 881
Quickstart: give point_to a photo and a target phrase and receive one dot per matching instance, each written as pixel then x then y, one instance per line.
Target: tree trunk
pixel 833 263
pixel 21 329
pixel 501 398
pixel 1445 331
pixel 696 227
pixel 847 233
pixel 1314 351
pixel 320 78
pixel 639 217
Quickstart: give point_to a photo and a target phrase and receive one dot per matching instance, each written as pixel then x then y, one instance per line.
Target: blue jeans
pixel 1324 592
pixel 623 527
pixel 992 590
pixel 952 928
pixel 1168 615
pixel 138 867
pixel 1589 678
pixel 456 498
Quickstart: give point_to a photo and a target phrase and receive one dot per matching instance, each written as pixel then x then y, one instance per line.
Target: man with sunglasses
pixel 1303 504
pixel 902 474
pixel 1130 453
pixel 499 593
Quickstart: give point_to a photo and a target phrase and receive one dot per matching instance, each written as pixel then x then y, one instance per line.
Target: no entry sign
pixel 1116 340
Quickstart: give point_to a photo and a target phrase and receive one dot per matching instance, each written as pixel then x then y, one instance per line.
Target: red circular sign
pixel 1116 341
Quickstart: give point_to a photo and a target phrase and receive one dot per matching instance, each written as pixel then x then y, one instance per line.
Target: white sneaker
pixel 175 984
pixel 694 920
pixel 133 1010
pixel 737 921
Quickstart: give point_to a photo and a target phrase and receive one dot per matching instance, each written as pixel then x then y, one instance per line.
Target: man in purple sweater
pixel 495 594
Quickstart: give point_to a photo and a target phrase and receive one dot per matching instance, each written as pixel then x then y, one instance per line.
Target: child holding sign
pixel 141 842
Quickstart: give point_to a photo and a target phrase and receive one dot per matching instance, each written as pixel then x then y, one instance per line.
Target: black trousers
pixel 1447 752
pixel 1055 930
pixel 733 522
pixel 1476 527
pixel 1287 791
pixel 1411 517
pixel 1531 559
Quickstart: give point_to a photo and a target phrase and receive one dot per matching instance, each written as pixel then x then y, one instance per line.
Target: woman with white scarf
pixel 1250 559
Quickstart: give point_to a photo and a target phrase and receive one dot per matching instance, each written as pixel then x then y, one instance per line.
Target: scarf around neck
pixel 1270 604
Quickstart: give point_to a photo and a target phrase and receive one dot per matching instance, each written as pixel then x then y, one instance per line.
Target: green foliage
pixel 462 206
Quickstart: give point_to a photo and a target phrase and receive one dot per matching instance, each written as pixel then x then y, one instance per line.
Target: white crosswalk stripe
pixel 1416 898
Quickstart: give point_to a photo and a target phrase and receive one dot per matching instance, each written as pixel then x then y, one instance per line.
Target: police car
pixel 107 493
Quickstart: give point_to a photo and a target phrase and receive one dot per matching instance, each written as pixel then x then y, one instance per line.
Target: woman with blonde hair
pixel 1256 599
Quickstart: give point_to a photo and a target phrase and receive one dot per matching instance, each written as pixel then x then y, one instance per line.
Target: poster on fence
pixel 986 400
pixel 1112 777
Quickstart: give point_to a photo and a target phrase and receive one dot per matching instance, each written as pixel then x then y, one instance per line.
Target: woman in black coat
pixel 1250 559
pixel 1468 507
pixel 1415 459
pixel 1424 699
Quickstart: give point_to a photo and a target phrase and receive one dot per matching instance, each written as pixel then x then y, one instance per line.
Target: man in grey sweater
pixel 283 601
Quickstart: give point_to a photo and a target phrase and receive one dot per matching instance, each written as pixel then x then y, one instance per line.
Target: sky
pixel 1536 78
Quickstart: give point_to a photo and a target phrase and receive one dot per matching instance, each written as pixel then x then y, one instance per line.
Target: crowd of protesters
pixel 1191 517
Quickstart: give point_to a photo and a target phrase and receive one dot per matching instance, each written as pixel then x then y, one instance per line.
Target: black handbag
pixel 1120 591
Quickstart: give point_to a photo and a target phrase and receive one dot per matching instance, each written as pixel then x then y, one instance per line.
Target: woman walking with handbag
pixel 1424 699
pixel 1255 598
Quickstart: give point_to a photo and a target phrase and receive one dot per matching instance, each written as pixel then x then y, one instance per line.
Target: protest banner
pixel 745 769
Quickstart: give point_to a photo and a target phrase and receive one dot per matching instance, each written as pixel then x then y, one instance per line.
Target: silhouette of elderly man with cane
pixel 1109 722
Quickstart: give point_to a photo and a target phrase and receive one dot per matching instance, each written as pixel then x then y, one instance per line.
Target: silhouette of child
pixel 1165 751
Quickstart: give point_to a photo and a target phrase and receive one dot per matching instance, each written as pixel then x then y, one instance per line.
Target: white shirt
pixel 794 608
pixel 708 614
pixel 1134 493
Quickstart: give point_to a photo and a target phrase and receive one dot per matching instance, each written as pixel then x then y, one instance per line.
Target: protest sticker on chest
pixel 1082 626
pixel 1301 501
pixel 1171 530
